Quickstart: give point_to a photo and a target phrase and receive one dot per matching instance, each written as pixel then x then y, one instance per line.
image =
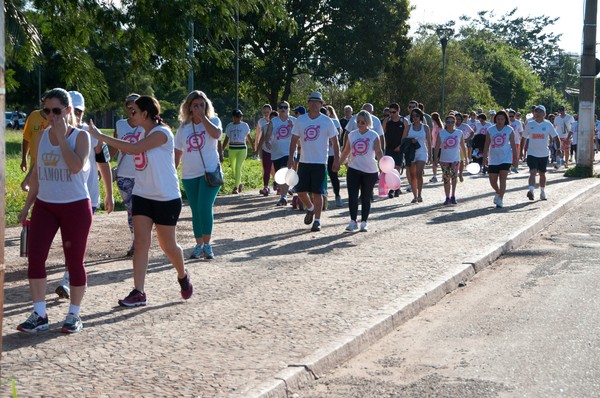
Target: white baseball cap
pixel 77 100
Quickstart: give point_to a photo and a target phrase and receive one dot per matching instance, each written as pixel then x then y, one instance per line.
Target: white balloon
pixel 386 164
pixel 473 168
pixel 291 177
pixel 280 175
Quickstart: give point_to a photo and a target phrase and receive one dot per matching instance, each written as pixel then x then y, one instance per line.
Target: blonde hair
pixel 185 114
pixel 366 116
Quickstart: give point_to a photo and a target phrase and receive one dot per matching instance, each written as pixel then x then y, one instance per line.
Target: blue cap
pixel 299 109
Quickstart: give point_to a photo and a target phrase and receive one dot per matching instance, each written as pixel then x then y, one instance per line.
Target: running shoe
pixel 397 193
pixel 72 324
pixel 352 227
pixel 414 200
pixel 499 203
pixel 543 195
pixel 208 252
pixel 235 191
pixel 282 202
pixel 264 191
pixel 515 169
pixel 186 285
pixel 433 179
pixel 34 324
pixel 316 227
pixel 240 188
pixel 197 252
pixel 308 218
pixel 530 195
pixel 419 199
pixel 453 200
pixel 391 194
pixel 135 299
pixel 63 291
pixel 363 226
pixel 496 197
pixel 447 202
pixel 130 251
pixel 338 201
pixel 409 189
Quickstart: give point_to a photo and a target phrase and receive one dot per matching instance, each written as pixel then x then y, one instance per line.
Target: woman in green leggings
pixel 236 135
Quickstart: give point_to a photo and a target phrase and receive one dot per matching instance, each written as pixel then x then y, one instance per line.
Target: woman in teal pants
pixel 196 146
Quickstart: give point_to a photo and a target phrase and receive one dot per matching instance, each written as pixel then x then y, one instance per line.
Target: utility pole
pixel 2 164
pixel 444 35
pixel 587 92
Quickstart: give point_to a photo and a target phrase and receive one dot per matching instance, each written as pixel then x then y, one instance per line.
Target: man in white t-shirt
pixel 314 131
pixel 539 131
pixel 562 124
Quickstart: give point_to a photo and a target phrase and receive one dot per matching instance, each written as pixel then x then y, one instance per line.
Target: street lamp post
pixel 444 35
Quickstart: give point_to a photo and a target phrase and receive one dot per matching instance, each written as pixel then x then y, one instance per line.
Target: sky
pixel 570 13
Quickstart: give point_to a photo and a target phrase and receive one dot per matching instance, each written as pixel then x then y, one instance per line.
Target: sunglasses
pixel 283 107
pixel 415 115
pixel 56 111
pixel 361 122
pixel 393 112
pixel 450 121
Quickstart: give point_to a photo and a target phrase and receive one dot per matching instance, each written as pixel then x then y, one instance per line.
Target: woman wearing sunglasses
pixel 156 200
pixel 449 148
pixel 419 133
pixel 58 187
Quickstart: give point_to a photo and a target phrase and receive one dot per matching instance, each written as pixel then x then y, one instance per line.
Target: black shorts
pixel 161 212
pixel 497 168
pixel 280 163
pixel 311 177
pixel 538 164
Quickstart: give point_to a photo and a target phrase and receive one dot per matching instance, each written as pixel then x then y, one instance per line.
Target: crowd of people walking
pixel 67 154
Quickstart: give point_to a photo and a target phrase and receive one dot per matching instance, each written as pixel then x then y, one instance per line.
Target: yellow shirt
pixel 34 125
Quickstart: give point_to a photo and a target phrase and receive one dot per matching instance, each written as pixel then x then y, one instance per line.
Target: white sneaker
pixel 499 203
pixel 63 290
pixel 433 179
pixel 543 195
pixel 496 197
pixel 352 227
pixel 363 226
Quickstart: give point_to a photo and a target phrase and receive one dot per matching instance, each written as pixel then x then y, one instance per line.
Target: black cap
pixel 237 112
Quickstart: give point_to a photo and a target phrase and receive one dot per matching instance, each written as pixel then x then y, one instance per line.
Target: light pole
pixel 444 35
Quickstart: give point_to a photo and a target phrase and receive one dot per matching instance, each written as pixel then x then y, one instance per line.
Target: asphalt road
pixel 527 326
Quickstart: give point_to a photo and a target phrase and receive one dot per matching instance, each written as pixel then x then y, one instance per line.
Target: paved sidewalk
pixel 279 304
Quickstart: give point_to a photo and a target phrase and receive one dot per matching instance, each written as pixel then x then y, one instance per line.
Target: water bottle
pixel 24 242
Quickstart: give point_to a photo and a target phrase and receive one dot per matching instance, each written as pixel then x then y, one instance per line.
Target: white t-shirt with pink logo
pixel 189 140
pixel 131 134
pixel 450 145
pixel 362 151
pixel 517 126
pixel 281 137
pixel 467 131
pixel 500 150
pixel 155 173
pixel 314 137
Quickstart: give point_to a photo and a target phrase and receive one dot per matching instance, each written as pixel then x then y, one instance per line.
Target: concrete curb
pixel 301 375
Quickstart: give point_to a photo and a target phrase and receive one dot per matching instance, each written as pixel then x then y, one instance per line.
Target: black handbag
pixel 213 178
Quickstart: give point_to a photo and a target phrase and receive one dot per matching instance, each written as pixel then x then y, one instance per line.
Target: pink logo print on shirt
pixel 450 142
pixel 311 133
pixel 140 161
pixel 131 137
pixel 499 140
pixel 360 146
pixel 195 141
pixel 283 132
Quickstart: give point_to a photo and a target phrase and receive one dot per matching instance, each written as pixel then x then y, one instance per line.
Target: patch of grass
pixel 580 172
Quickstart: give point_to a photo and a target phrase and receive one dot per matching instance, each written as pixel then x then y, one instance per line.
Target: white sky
pixel 570 13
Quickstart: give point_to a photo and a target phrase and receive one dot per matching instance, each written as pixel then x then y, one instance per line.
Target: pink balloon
pixel 386 164
pixel 392 181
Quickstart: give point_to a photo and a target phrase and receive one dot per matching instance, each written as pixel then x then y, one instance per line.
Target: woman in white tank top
pixel 419 132
pixel 58 186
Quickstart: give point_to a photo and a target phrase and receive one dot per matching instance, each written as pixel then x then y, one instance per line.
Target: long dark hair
pixel 150 104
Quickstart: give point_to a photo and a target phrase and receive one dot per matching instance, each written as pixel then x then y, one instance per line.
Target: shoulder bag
pixel 213 178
